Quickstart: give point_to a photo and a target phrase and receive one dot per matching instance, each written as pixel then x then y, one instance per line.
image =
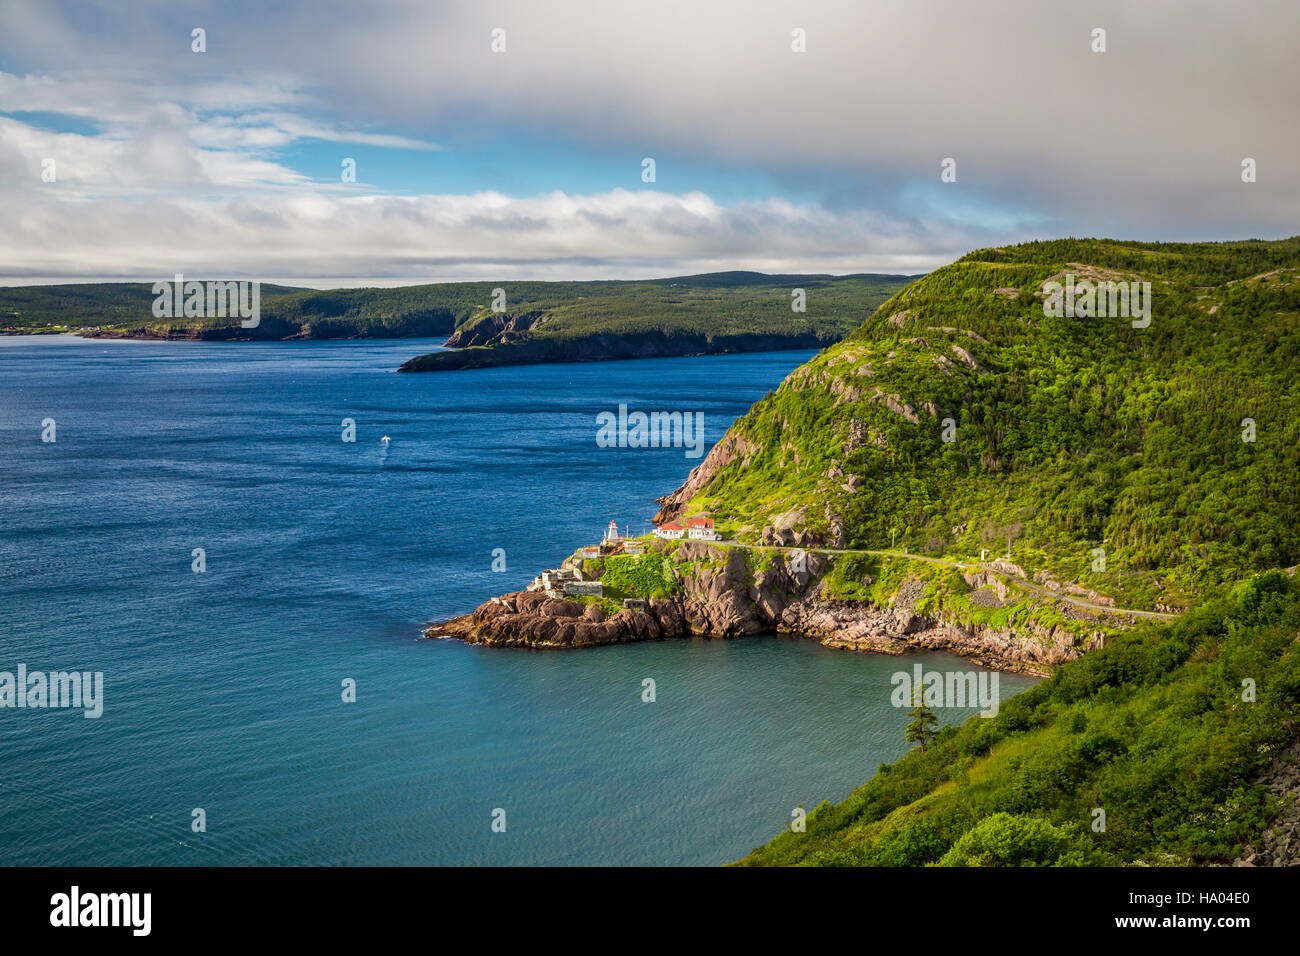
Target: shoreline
pixel 462 628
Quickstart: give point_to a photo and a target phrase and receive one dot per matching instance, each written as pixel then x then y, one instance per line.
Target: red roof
pixel 671 526
pixel 699 522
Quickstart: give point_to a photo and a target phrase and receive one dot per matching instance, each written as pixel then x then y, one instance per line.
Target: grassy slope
pixel 1075 433
pixel 1152 729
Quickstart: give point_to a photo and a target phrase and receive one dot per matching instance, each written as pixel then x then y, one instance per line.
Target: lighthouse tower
pixel 611 533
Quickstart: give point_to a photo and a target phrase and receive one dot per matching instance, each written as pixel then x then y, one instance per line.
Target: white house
pixel 701 528
pixel 670 530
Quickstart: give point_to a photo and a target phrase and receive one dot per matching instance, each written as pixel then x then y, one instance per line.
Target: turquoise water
pixel 222 690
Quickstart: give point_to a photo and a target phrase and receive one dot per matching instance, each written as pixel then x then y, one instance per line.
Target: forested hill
pixel 961 417
pixel 712 312
pixel 690 315
pixel 77 306
pixel 1170 746
pixel 1151 458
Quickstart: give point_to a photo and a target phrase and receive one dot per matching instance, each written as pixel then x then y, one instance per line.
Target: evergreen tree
pixel 924 724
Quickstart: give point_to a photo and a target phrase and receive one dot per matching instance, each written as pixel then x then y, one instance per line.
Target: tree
pixel 924 725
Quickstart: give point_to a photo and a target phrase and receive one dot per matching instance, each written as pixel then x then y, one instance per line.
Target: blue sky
pixel 123 152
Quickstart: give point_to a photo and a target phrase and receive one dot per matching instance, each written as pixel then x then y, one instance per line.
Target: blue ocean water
pixel 223 689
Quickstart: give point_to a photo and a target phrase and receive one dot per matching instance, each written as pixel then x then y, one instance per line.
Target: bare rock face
pixel 981 579
pixel 495 328
pixel 531 619
pixel 895 404
pixel 1279 845
pixel 730 592
pixel 790 530
pixel 967 359
pixel 1006 567
pixel 722 602
pixel 839 536
pixel 720 455
pixel 862 626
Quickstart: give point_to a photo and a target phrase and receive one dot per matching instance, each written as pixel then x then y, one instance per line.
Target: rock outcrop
pixel 1279 845
pixel 729 592
pixel 731 448
pixel 495 329
pixel 519 347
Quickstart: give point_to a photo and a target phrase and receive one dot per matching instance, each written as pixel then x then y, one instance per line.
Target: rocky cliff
pixel 511 344
pixel 729 592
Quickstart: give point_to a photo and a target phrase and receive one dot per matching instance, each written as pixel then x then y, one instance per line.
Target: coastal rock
pixel 731 448
pixel 728 592
pixel 516 347
pixel 495 329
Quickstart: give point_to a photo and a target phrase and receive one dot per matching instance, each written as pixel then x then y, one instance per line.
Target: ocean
pixel 223 689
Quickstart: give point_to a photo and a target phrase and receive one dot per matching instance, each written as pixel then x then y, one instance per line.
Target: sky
pixel 509 139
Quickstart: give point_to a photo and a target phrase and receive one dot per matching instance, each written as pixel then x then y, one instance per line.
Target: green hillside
pixel 77 305
pixel 1070 434
pixel 1152 729
pixel 717 304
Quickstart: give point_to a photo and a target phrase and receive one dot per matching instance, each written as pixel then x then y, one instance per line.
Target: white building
pixel 670 530
pixel 701 528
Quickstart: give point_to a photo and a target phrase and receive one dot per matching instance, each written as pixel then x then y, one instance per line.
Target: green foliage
pixel 851 577
pixel 923 725
pixel 712 305
pixel 1004 839
pixel 79 305
pixel 1070 434
pixel 646 576
pixel 1151 728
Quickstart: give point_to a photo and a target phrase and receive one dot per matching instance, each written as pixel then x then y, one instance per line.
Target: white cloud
pixel 1143 141
pixel 557 235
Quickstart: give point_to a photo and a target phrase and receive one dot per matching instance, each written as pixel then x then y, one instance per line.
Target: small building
pixel 589 554
pixel 701 528
pixel 557 577
pixel 584 588
pixel 611 533
pixel 670 530
pixel 633 546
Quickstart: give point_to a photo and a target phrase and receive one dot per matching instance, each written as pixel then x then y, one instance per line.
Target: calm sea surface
pixel 222 690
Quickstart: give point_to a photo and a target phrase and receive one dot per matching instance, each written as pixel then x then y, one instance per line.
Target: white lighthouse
pixel 611 533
